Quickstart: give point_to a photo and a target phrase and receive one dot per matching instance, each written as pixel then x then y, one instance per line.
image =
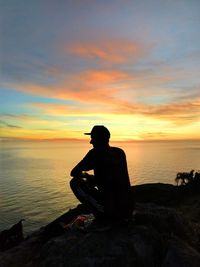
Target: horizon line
pixel 84 140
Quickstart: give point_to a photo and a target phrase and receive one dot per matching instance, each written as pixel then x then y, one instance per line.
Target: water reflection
pixel 35 175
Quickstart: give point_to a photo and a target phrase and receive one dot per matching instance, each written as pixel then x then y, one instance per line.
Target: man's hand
pixel 89 178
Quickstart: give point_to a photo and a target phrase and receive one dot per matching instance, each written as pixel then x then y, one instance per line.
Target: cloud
pixel 155 135
pixel 4 124
pixel 98 86
pixel 183 113
pixel 179 113
pixel 32 122
pixel 110 91
pixel 70 111
pixel 94 77
pixel 116 51
pixel 16 116
pixel 185 110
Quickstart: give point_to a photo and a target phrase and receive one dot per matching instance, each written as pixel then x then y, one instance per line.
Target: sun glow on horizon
pixel 122 127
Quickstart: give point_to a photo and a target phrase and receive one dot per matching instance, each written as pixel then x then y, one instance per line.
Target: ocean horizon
pixel 35 175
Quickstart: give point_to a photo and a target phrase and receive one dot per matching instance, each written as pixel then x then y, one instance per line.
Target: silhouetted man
pixel 107 193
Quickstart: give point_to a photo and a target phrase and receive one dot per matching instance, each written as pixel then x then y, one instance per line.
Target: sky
pixel 131 65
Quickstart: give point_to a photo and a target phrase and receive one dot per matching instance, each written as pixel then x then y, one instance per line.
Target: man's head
pixel 100 135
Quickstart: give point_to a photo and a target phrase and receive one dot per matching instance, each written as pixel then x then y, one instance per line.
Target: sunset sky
pixel 132 65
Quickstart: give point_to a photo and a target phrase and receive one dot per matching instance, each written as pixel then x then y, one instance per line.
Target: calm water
pixel 34 176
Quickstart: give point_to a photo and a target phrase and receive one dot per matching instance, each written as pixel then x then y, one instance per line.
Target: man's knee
pixel 73 183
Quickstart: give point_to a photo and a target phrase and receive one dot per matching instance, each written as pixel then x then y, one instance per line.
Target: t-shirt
pixel 112 179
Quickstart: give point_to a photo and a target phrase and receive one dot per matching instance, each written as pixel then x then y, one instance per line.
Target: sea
pixel 35 175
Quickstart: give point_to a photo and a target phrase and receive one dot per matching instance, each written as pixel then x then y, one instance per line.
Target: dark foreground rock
pixel 159 234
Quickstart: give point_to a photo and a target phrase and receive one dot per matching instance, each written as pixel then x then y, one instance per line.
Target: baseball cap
pixel 100 132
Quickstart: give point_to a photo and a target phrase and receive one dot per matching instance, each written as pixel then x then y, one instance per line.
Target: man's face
pixel 94 142
pixel 98 143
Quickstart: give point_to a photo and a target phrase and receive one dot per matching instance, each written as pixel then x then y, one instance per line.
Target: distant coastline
pixel 10 139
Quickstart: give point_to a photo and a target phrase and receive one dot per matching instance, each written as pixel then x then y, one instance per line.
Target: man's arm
pixel 77 170
pixel 84 165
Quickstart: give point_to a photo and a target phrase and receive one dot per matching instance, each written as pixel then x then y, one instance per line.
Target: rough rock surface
pixel 160 234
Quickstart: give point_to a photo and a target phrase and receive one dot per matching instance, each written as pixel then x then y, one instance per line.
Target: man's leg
pixel 88 195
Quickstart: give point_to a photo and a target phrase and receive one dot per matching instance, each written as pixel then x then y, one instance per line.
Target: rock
pixel 180 254
pixel 121 246
pixel 157 235
pixel 167 221
pixel 11 237
pixel 159 193
pixel 23 254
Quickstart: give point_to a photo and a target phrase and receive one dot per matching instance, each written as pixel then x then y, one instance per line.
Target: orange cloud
pixel 183 113
pixel 116 92
pixel 114 51
pixel 94 77
pixel 98 86
pixel 98 100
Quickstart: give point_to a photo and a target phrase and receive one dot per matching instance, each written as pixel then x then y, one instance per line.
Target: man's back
pixel 111 175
